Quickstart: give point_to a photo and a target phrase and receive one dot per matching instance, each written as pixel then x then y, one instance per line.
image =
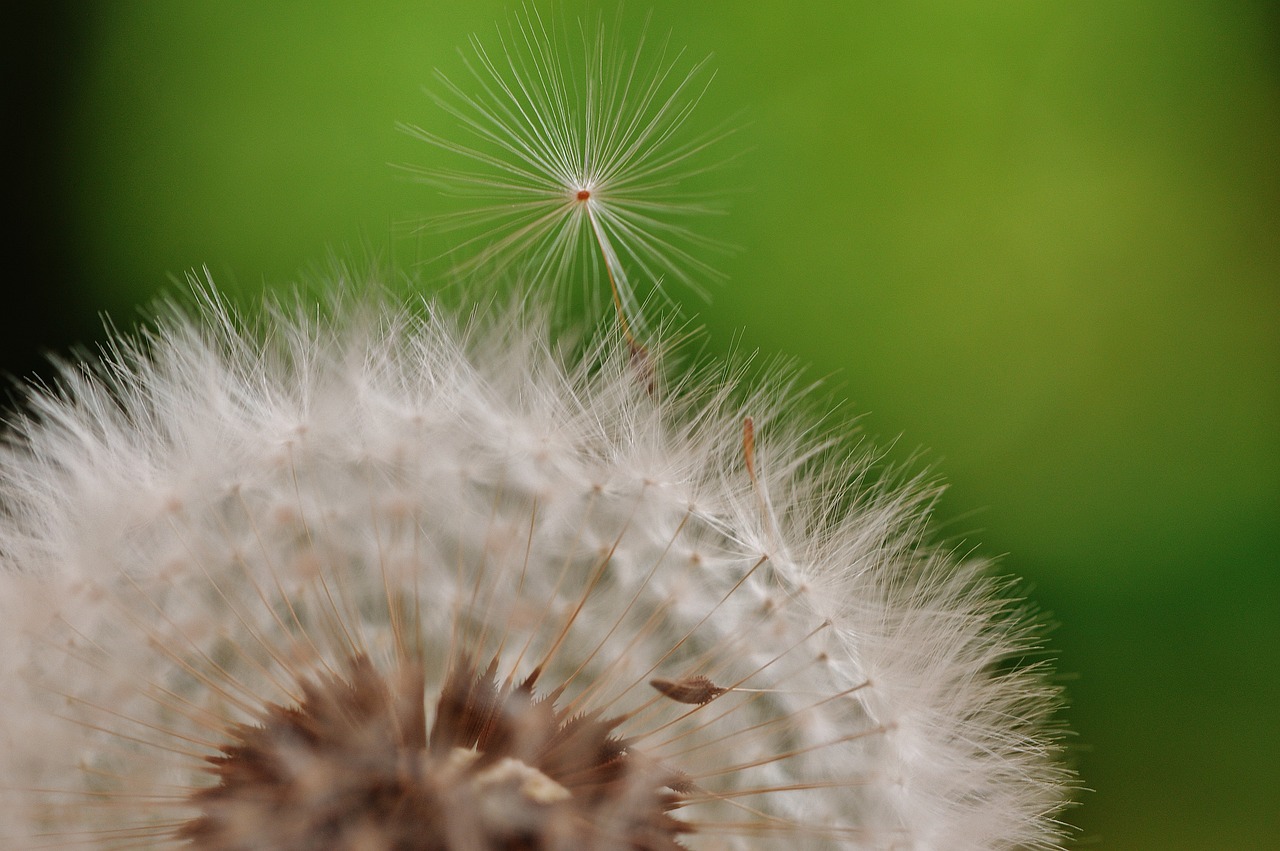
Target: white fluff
pixel 216 509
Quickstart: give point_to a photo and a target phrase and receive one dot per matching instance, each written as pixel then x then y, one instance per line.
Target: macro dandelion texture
pixel 365 571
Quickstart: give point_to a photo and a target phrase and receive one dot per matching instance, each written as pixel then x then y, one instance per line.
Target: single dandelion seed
pixel 575 163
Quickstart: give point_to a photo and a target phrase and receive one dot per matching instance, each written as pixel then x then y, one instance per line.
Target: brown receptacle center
pixel 584 194
pixel 355 764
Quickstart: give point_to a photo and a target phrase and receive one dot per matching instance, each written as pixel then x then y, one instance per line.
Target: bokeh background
pixel 1041 240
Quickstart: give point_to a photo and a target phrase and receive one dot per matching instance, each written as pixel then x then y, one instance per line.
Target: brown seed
pixel 692 690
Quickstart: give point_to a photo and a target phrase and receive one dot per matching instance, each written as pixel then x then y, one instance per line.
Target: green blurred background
pixel 1041 240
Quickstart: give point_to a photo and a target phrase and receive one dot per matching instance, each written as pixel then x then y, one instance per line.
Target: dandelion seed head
pixel 398 575
pixel 247 564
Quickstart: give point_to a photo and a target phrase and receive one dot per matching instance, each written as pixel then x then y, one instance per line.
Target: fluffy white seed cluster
pixel 218 514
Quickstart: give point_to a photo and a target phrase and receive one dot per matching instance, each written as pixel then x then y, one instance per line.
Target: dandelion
pixel 401 576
